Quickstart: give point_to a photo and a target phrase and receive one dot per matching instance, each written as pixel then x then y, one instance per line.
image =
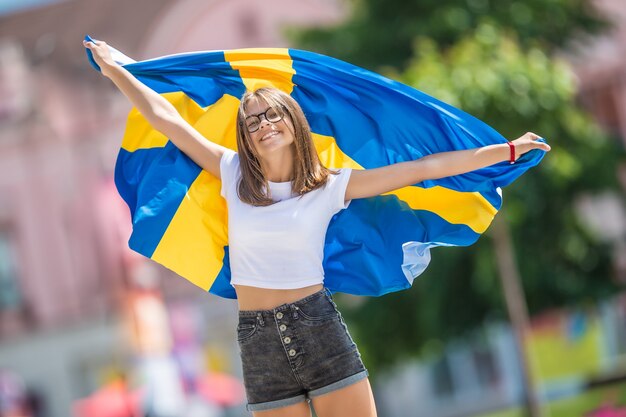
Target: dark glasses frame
pixel 280 112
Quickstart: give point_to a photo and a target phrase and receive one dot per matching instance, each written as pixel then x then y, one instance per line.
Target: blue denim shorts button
pixel 287 340
pixel 279 315
pixel 292 352
pixel 282 327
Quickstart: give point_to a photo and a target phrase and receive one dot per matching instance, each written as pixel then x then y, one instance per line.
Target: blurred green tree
pixel 514 89
pixel 381 32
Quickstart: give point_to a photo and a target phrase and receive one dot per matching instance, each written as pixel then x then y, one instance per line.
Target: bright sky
pixel 12 6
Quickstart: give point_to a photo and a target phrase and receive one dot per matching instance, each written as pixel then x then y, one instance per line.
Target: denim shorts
pixel 296 351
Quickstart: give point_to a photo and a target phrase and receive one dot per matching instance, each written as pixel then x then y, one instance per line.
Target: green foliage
pixel 514 89
pixel 381 32
pixel 464 53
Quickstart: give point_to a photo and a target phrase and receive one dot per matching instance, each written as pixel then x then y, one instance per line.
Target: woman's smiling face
pixel 269 136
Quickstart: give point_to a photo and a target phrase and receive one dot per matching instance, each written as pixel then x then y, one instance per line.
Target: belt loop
pixel 329 294
pixel 259 317
pixel 294 310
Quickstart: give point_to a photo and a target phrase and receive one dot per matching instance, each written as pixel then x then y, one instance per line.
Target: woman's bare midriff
pixel 252 298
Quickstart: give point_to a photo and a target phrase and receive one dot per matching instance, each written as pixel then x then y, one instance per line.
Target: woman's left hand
pixel 528 142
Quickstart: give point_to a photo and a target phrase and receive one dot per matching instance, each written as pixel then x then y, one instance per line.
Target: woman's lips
pixel 269 135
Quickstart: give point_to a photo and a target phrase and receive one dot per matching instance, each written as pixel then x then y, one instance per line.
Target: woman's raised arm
pixel 372 182
pixel 159 112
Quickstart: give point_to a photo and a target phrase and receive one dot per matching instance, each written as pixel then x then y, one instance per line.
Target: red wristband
pixel 512 158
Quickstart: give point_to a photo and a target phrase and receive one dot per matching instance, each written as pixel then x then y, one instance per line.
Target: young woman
pixel 295 347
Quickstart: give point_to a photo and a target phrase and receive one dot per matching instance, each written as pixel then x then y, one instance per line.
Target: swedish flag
pixel 359 120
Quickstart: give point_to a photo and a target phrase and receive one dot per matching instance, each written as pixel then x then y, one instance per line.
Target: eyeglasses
pixel 272 115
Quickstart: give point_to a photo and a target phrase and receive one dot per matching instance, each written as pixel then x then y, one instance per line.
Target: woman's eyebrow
pixel 258 114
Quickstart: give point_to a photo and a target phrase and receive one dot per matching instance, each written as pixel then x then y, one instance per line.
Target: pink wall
pixel 229 24
pixel 601 67
pixel 60 127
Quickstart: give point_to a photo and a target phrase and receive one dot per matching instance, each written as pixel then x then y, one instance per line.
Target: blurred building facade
pixel 65 270
pixel 570 350
pixel 600 65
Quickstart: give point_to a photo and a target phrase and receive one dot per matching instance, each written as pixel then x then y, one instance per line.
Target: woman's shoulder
pixel 229 154
pixel 229 158
pixel 338 174
pixel 229 166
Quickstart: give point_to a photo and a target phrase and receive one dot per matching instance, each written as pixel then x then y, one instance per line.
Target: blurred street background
pixel 529 321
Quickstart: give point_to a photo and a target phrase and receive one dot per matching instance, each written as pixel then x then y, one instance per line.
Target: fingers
pixel 532 136
pixel 93 43
pixel 538 145
pixel 530 141
pixel 544 146
pixel 89 44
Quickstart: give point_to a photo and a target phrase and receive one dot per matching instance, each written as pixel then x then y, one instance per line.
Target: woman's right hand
pixel 101 54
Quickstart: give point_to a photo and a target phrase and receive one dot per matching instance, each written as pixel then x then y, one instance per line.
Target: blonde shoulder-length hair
pixel 309 173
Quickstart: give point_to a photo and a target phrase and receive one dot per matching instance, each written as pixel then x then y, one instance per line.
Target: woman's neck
pixel 278 167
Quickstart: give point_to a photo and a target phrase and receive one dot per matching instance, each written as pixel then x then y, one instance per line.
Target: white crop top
pixel 279 246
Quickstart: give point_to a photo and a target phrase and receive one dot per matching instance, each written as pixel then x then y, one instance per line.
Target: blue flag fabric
pixel 359 120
